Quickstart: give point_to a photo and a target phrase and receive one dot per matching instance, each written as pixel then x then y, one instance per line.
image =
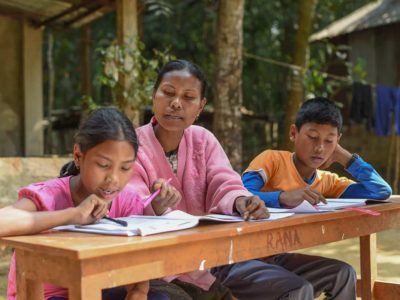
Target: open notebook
pixel 332 205
pixel 147 225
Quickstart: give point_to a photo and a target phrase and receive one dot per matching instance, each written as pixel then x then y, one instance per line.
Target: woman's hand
pixel 90 210
pixel 294 198
pixel 251 207
pixel 137 291
pixel 168 196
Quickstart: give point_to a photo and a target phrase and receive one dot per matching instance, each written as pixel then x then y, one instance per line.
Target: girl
pixel 90 187
pixel 172 147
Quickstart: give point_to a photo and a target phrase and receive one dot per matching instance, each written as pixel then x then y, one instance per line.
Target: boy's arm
pixel 370 184
pixel 254 182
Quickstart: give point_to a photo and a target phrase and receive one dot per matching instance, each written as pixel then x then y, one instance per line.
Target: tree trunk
pixel 300 58
pixel 228 93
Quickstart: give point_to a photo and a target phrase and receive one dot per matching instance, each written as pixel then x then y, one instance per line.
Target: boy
pixel 281 178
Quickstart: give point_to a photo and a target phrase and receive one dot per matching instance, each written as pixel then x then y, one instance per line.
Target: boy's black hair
pixel 319 110
pixel 181 64
pixel 101 125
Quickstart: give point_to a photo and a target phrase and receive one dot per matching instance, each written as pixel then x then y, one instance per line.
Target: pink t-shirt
pixel 54 195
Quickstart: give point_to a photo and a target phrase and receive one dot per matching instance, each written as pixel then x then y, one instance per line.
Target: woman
pixel 172 147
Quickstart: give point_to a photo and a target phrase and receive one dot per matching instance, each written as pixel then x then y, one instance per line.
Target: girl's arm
pixel 23 218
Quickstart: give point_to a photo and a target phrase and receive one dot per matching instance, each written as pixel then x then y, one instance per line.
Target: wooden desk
pixel 86 263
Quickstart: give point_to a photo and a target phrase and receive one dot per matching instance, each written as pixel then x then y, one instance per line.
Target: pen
pixel 150 198
pixel 120 222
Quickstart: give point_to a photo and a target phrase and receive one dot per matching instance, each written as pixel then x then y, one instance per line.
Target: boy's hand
pixel 168 196
pixel 294 198
pixel 251 207
pixel 90 210
pixel 137 291
pixel 339 155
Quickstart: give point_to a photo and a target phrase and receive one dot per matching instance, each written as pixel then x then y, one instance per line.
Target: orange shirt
pixel 280 174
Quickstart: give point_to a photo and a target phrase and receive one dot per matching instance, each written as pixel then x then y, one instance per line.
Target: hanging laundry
pixel 361 109
pixel 387 107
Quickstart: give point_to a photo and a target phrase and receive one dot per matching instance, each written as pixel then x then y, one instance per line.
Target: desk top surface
pixel 82 245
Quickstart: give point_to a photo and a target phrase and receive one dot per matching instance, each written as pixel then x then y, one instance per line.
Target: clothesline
pixel 361 106
pixel 298 68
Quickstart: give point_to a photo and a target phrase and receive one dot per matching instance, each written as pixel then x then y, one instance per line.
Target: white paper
pixel 332 205
pixel 146 225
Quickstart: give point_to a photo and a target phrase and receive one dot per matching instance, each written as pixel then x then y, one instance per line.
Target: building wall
pixel 21 88
pixel 11 104
pixel 379 49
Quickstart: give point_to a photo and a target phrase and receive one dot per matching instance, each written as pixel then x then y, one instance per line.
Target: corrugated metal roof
pixel 61 13
pixel 379 13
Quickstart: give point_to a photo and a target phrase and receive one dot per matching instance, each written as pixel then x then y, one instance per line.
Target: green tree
pixel 300 59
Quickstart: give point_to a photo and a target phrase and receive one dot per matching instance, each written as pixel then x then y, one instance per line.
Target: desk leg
pixel 368 265
pixel 84 290
pixel 27 289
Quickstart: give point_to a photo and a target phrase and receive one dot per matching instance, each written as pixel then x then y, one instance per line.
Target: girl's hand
pixel 90 210
pixel 137 291
pixel 294 198
pixel 251 207
pixel 168 196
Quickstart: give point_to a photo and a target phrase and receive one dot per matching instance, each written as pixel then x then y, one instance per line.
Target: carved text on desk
pixel 284 239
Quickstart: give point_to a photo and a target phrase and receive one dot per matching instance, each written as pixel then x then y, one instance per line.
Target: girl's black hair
pixel 319 110
pixel 102 124
pixel 181 64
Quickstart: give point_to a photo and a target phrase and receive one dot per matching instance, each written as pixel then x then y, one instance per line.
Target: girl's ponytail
pixel 69 169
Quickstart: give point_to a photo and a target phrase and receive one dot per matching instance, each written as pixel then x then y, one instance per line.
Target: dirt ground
pixel 388 257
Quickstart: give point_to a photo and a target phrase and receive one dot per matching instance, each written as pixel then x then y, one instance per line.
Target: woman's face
pixel 177 101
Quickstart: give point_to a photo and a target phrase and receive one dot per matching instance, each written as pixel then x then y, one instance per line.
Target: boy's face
pixel 314 143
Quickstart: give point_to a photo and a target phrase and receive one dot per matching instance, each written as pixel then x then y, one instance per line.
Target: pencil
pixel 150 198
pixel 120 222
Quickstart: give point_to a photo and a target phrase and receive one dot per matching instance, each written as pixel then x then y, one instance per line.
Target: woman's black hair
pixel 181 64
pixel 101 125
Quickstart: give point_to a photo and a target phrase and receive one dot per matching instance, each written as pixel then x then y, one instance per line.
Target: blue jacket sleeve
pixel 254 182
pixel 370 184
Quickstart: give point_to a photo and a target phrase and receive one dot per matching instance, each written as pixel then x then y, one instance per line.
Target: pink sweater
pixel 205 178
pixel 54 195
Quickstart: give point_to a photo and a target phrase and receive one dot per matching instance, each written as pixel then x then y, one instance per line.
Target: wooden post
pixel 86 61
pixel 368 265
pixel 26 287
pixel 33 90
pixel 127 31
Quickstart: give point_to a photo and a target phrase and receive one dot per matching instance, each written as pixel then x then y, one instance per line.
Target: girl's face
pixel 177 102
pixel 105 169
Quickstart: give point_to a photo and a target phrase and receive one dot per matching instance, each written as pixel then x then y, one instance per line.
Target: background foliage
pixel 187 28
